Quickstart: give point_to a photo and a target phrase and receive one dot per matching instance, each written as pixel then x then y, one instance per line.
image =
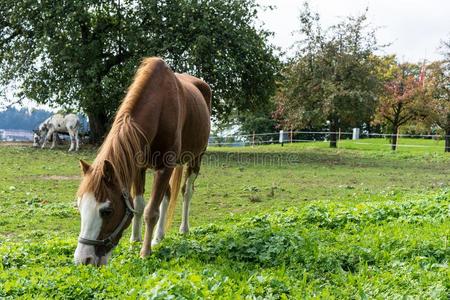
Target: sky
pixel 414 27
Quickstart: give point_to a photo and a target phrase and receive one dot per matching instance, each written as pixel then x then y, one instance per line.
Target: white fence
pixel 286 137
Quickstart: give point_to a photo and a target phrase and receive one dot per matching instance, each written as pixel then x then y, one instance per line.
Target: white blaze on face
pixel 36 140
pixel 91 224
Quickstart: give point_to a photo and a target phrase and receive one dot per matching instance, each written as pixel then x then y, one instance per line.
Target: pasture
pixel 269 222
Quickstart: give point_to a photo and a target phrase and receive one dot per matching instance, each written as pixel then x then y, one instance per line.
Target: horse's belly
pixel 196 132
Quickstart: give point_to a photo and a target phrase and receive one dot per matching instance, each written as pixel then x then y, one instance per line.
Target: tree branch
pixel 405 119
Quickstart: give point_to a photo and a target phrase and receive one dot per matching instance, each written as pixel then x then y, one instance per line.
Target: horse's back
pixel 202 86
pixel 172 110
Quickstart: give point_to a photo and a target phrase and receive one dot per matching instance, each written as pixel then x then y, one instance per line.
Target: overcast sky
pixel 414 27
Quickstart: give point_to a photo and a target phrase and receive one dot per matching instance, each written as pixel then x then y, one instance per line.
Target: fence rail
pixel 286 137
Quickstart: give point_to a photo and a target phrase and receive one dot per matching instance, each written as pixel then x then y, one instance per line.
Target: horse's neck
pixel 122 156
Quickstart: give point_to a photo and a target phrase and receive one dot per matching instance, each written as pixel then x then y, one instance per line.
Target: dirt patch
pixel 16 144
pixel 60 177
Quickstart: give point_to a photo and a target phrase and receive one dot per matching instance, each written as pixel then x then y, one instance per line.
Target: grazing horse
pixel 163 124
pixel 58 124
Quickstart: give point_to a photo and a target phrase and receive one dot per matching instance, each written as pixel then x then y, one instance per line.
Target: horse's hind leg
pixel 72 140
pixel 160 227
pixel 188 191
pixel 77 140
pixel 73 133
pixel 151 212
pixel 139 205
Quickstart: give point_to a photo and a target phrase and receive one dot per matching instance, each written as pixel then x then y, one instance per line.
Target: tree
pixel 331 80
pixel 402 100
pixel 439 105
pixel 257 123
pixel 83 54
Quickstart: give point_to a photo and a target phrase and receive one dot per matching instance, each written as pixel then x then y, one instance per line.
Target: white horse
pixel 58 124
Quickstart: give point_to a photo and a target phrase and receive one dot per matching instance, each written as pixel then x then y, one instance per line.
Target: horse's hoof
pixel 184 230
pixel 156 242
pixel 145 253
pixel 135 240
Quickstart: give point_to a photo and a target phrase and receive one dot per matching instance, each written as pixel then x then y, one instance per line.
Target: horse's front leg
pixel 55 136
pixel 160 227
pixel 46 137
pixel 139 205
pixel 151 212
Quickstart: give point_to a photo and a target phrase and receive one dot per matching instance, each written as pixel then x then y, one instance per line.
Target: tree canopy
pixel 332 78
pixel 403 98
pixel 83 54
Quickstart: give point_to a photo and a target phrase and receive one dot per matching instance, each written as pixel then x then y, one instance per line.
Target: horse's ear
pixel 85 167
pixel 108 172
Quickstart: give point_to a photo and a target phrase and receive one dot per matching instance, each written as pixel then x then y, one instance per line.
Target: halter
pixel 108 242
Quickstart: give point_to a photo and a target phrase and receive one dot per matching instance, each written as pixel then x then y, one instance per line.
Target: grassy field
pixel 269 222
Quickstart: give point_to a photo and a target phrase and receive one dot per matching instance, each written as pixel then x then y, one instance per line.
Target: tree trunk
pixel 98 126
pixel 333 134
pixel 394 138
pixel 447 140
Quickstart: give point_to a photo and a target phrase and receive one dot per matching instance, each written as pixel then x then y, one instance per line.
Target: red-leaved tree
pixel 403 100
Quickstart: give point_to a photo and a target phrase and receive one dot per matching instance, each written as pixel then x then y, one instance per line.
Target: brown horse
pixel 162 124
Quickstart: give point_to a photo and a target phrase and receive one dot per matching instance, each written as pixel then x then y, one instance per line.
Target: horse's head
pixel 36 138
pixel 105 211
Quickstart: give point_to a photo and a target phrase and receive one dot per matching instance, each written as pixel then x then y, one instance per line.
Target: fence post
pixel 356 132
pixel 282 138
pixel 396 141
pixel 253 139
pixel 291 136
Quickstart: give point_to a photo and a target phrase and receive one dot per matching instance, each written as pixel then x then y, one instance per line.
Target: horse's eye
pixel 106 212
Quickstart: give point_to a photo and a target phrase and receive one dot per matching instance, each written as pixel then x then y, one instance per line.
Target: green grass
pixel 300 221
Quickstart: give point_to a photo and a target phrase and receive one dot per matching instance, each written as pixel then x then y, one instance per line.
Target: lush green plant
pixel 383 249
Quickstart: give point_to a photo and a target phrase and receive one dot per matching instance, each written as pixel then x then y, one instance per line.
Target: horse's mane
pixel 126 142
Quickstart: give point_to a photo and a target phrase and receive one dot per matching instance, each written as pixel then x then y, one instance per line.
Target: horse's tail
pixel 175 185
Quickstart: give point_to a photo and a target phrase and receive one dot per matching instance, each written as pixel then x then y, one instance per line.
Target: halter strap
pixel 108 242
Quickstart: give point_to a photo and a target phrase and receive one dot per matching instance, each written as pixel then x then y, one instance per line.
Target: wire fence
pixel 287 137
